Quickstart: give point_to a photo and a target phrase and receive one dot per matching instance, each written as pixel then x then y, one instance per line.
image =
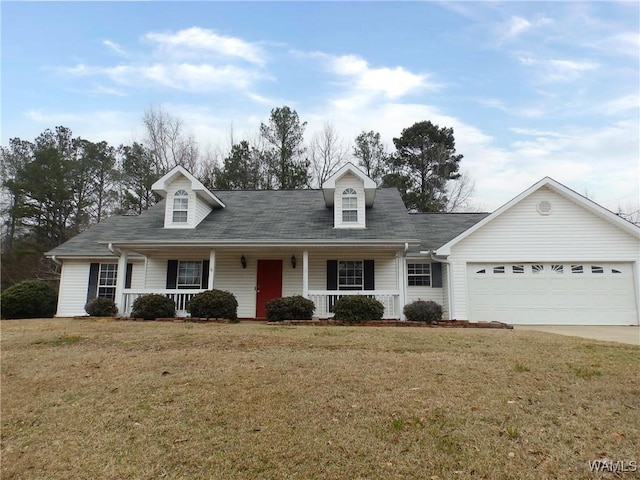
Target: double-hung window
pixel 180 206
pixel 349 206
pixel 107 278
pixel 419 274
pixel 350 275
pixel 189 274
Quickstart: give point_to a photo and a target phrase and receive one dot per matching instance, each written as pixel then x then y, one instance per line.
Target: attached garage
pixel 550 256
pixel 558 293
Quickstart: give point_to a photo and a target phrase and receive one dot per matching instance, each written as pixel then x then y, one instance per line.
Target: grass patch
pixel 64 339
pixel 250 401
pixel 584 372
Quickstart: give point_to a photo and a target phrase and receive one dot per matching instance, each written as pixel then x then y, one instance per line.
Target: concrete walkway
pixel 630 335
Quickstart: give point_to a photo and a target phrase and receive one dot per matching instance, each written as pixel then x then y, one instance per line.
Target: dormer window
pixel 180 206
pixel 349 205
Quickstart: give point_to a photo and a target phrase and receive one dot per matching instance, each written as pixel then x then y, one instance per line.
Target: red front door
pixel 269 285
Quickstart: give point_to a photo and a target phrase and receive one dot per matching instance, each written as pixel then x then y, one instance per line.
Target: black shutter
pixel 172 274
pixel 127 280
pixel 92 291
pixel 332 275
pixel 436 275
pixel 205 274
pixel 369 275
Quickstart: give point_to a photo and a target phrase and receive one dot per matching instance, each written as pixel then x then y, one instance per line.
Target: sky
pixel 531 89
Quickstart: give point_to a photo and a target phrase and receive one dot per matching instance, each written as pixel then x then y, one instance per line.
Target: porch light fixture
pixel 243 261
pixel 293 261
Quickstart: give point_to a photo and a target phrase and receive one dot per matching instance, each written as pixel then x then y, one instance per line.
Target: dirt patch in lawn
pixel 85 399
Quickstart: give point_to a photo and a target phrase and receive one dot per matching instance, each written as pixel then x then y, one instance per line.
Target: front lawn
pixel 115 400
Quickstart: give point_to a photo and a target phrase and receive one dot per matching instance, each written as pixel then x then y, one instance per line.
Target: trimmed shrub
pixel 29 299
pixel 214 304
pixel 153 306
pixel 101 307
pixel 290 308
pixel 358 308
pixel 423 311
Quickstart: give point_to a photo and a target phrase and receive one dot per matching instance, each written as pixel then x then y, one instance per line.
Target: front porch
pixel 255 277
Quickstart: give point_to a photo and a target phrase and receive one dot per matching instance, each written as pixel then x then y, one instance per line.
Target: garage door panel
pixel 560 293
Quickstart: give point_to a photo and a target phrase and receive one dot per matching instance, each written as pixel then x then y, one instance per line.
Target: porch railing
pixel 324 301
pixel 180 298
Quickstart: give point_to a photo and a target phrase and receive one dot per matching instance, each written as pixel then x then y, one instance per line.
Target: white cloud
pixel 517 25
pixel 201 40
pixel 558 70
pixel 115 47
pixel 364 80
pixel 624 43
pixel 193 59
pixel 180 76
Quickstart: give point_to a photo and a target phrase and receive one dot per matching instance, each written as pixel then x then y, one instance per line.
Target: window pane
pixel 419 274
pixel 349 203
pixel 189 274
pixel 349 215
pixel 179 216
pixel 350 275
pixel 108 275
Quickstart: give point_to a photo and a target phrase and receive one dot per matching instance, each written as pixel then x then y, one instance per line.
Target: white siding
pixel 230 276
pixel 202 210
pixel 74 283
pixel 156 273
pixel 570 233
pixel 435 294
pixel 349 181
pixel 180 183
pixel 385 267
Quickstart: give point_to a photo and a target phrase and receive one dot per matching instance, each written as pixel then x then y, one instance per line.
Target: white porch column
pixel 212 269
pixel 121 280
pixel 401 283
pixel 305 274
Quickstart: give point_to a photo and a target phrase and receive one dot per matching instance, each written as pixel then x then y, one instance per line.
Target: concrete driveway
pixel 630 335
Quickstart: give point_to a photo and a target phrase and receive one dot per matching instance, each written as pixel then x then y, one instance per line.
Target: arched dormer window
pixel 349 205
pixel 180 206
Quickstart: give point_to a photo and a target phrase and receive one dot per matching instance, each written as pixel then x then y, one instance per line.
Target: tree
pixel 285 134
pixel 371 155
pixel 166 142
pixel 328 153
pixel 138 175
pixel 425 160
pixel 459 193
pixel 12 161
pixel 104 174
pixel 241 169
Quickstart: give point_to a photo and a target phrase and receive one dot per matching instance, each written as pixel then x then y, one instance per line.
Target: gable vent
pixel 544 207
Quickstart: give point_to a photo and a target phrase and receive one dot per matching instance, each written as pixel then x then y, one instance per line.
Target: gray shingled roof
pixel 436 229
pixel 285 215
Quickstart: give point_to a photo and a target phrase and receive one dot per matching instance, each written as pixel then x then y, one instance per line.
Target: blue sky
pixel 531 89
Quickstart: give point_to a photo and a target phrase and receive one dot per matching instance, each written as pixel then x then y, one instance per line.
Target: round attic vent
pixel 544 207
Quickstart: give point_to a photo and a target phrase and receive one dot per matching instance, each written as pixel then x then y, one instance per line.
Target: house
pixel 549 256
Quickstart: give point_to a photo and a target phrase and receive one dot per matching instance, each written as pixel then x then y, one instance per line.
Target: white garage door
pixel 552 293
